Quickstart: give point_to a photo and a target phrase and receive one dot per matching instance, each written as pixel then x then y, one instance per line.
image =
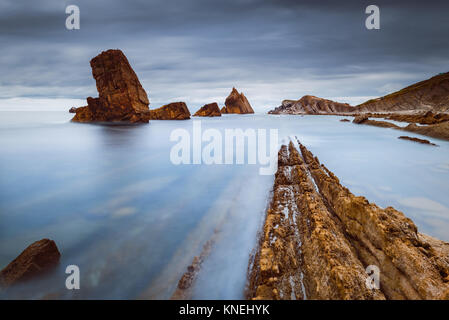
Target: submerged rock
pixel 237 103
pixel 359 119
pixel 36 259
pixel 423 141
pixel 171 111
pixel 319 238
pixel 208 110
pixel 121 96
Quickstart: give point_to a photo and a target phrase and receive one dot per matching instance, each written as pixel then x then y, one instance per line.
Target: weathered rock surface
pixel 72 110
pixel 311 105
pixel 439 131
pixel 423 141
pixel 237 103
pixel 223 110
pixel 171 111
pixel 428 117
pixel 208 110
pixel 36 259
pixel 121 96
pixel 318 240
pixel 430 94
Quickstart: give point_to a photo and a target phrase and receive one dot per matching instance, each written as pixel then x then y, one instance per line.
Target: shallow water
pixel 132 221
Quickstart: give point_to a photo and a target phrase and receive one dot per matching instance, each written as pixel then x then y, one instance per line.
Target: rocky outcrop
pixel 318 240
pixel 121 96
pixel 428 117
pixel 345 120
pixel 311 105
pixel 171 111
pixel 431 94
pixel 376 123
pixel 439 131
pixel 208 110
pixel 237 103
pixel 72 110
pixel 423 141
pixel 36 259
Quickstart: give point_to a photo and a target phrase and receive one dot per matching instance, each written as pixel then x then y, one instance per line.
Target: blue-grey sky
pixel 197 50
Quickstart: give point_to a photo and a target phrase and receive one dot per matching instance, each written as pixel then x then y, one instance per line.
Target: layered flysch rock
pixel 430 94
pixel 311 105
pixel 121 96
pixel 318 240
pixel 171 111
pixel 36 259
pixel 208 110
pixel 237 103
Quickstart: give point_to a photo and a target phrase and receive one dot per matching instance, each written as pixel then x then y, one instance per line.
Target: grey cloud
pixel 197 50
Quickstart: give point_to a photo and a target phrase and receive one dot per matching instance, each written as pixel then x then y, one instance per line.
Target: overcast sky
pixel 197 50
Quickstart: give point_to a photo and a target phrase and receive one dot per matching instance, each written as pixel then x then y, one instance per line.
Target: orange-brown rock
pixel 121 96
pixel 428 117
pixel 223 110
pixel 430 94
pixel 319 238
pixel 171 111
pixel 237 103
pixel 422 141
pixel 208 110
pixel 311 105
pixel 36 259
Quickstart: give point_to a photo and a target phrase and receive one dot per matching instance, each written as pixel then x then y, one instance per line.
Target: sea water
pixel 132 221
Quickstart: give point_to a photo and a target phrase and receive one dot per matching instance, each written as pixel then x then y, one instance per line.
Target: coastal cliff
pixel 319 238
pixel 430 94
pixel 311 105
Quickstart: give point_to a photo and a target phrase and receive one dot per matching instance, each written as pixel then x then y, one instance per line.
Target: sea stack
pixel 36 259
pixel 121 96
pixel 237 103
pixel 208 110
pixel 171 111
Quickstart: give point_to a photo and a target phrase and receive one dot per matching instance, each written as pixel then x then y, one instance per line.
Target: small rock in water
pixel 36 259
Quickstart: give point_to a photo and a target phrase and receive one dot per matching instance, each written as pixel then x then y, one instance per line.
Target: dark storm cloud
pixel 197 50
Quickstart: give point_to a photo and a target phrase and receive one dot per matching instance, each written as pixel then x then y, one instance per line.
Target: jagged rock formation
pixel 208 110
pixel 237 103
pixel 223 110
pixel 171 111
pixel 311 105
pixel 423 141
pixel 318 240
pixel 36 259
pixel 430 94
pixel 121 96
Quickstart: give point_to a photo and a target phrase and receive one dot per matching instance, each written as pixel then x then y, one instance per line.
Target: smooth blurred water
pixel 132 221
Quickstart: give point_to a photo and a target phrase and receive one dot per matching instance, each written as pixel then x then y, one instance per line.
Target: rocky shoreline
pixel 319 238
